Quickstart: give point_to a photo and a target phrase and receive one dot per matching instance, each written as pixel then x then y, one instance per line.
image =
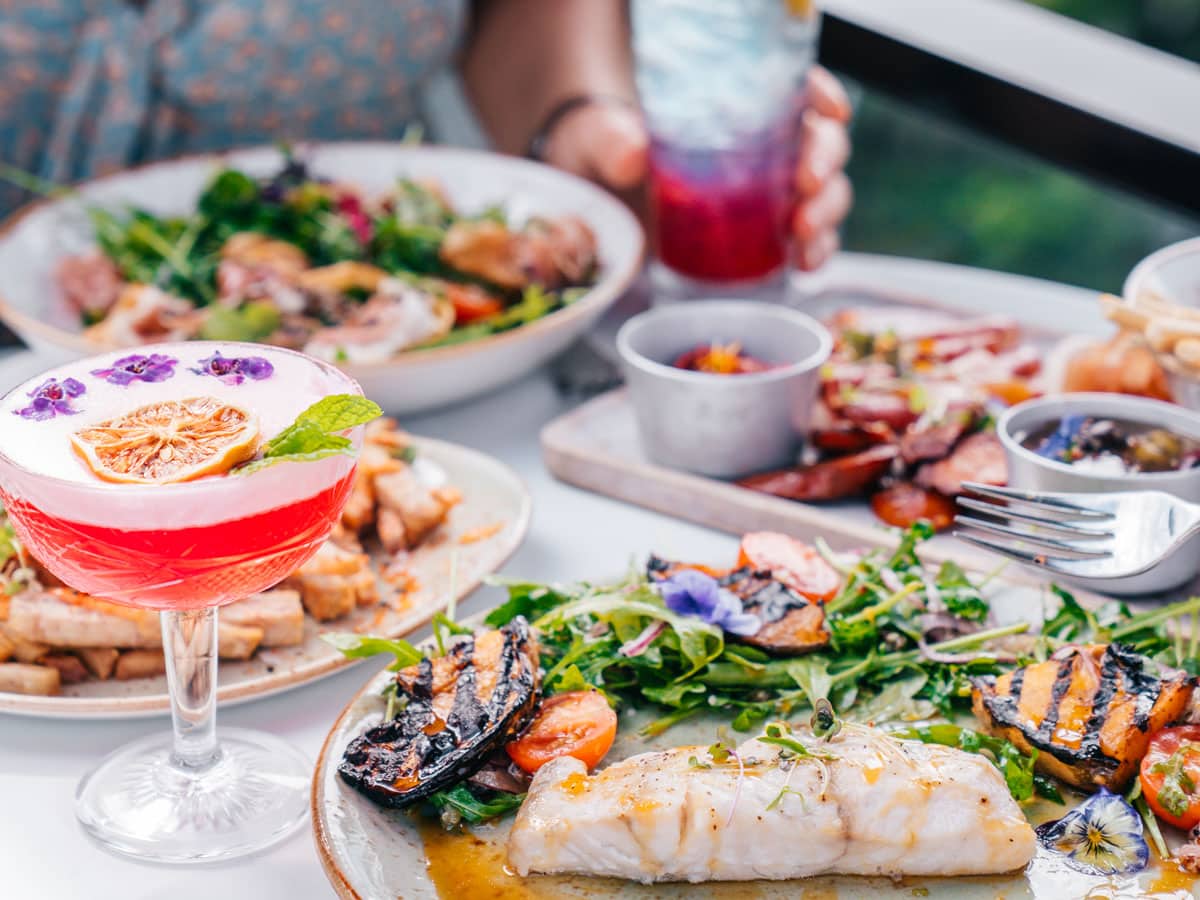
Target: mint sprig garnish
pixel 316 432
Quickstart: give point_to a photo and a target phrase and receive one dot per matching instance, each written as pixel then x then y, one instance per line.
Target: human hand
pixel 608 143
pixel 823 191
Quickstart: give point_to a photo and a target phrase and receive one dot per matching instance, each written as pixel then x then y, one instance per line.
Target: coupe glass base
pixel 139 803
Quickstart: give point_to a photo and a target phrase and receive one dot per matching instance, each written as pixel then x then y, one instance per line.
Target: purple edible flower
pixel 52 398
pixel 692 593
pixel 235 369
pixel 127 369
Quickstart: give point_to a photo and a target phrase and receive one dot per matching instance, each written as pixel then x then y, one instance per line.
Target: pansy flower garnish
pixel 135 367
pixel 692 593
pixel 235 369
pixel 52 398
pixel 1101 836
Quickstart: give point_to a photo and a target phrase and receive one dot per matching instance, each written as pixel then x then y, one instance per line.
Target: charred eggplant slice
pixel 792 624
pixel 1089 710
pixel 457 709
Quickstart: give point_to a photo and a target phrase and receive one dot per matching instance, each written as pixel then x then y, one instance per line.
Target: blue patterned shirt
pixel 91 86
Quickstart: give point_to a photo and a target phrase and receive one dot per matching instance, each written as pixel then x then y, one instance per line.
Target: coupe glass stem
pixel 190 647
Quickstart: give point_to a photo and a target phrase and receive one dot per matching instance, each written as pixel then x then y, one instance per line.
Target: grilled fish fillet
pixel 1089 710
pixel 879 807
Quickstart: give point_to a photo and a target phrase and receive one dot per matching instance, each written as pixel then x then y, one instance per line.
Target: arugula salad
pixel 899 645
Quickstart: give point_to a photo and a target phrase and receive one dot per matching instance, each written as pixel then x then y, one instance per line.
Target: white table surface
pixel 574 534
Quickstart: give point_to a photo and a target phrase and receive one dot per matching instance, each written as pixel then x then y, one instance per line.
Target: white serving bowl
pixel 1029 471
pixel 1172 273
pixel 723 425
pixel 35 239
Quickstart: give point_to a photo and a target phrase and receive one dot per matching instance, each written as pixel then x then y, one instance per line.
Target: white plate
pixel 481 533
pixel 34 241
pixel 369 852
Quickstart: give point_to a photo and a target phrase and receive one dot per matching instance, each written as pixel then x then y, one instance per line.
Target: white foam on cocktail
pixel 49 473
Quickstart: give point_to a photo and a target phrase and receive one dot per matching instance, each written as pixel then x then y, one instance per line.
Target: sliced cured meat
pixel 934 441
pixel 836 479
pixel 979 457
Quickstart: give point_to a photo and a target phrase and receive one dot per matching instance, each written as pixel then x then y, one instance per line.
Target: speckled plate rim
pixel 499 550
pixel 335 857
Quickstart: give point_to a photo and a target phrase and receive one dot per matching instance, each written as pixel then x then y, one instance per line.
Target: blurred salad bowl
pixel 35 242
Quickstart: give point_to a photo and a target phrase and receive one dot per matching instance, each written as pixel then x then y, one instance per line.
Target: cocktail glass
pixel 185 549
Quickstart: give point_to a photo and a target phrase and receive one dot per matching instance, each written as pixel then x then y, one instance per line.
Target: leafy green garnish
pixel 960 595
pixel 1178 787
pixel 360 646
pixel 780 735
pixel 1015 766
pixel 314 435
pixel 461 804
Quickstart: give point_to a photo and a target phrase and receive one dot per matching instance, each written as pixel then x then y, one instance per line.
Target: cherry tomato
pixel 578 723
pixel 904 503
pixel 1171 763
pixel 471 303
pixel 1010 392
pixel 793 562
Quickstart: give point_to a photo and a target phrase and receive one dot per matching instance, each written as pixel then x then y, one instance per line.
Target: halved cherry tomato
pixel 471 303
pixel 1174 754
pixel 1010 392
pixel 793 562
pixel 904 503
pixel 578 723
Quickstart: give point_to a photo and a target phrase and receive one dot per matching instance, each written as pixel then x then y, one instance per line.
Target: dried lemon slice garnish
pixel 170 441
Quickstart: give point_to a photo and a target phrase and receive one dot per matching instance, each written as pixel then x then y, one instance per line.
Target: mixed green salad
pixel 302 261
pixel 904 643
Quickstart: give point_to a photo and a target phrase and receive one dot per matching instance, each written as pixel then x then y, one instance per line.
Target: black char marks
pixel 1089 710
pixel 457 709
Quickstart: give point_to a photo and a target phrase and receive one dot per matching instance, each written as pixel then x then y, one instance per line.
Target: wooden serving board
pixel 596 445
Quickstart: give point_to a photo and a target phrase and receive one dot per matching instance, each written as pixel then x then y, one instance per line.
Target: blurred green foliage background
pixel 927 188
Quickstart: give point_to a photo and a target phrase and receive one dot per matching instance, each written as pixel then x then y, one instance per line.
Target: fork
pixel 1104 535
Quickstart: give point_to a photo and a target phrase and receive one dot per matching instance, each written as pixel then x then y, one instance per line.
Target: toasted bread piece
pixel 140 664
pixel 237 641
pixel 24 678
pixel 419 508
pixel 71 669
pixel 65 618
pixel 1089 711
pixel 23 650
pixel 278 613
pixel 100 661
pixel 366 588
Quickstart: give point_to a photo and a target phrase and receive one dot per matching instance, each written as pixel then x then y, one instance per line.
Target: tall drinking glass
pixel 184 549
pixel 722 86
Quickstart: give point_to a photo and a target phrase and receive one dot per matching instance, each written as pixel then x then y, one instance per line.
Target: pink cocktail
pixel 185 548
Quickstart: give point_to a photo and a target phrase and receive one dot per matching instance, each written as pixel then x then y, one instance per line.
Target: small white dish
pixel 1029 471
pixel 1172 273
pixel 723 426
